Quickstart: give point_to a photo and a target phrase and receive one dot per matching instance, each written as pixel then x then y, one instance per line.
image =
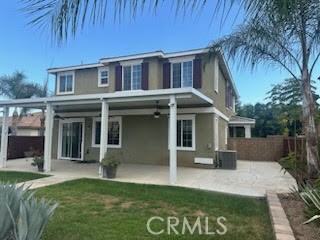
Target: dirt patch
pixel 169 210
pixel 127 204
pixel 110 201
pixel 199 213
pixel 294 208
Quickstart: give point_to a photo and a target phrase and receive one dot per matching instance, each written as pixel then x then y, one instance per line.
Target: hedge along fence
pixel 270 148
pixel 19 145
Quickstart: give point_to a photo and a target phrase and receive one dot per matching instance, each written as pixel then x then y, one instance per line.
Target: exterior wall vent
pixel 207 161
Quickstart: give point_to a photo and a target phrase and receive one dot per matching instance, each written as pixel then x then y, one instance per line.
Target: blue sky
pixel 27 49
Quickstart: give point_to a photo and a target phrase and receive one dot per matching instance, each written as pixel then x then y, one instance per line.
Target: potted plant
pixel 109 166
pixel 38 161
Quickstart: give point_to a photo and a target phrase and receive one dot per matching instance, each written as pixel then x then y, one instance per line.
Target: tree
pixel 287 98
pixel 285 33
pixel 15 87
pixel 265 116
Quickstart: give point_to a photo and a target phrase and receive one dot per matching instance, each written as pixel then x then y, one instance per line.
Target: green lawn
pixel 97 209
pixel 12 176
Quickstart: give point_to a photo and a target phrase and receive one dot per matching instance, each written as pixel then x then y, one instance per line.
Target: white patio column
pixel 4 137
pixel 103 132
pixel 173 139
pixel 48 137
pixel 247 131
pixel 216 131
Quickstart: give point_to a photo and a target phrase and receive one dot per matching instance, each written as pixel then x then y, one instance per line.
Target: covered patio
pixel 250 179
pixel 169 102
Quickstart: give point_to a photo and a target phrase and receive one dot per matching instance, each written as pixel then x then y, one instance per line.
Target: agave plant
pixel 34 216
pixel 311 197
pixel 22 216
pixel 10 199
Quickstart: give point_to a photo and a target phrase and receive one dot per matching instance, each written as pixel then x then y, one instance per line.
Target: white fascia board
pixel 186 53
pixel 132 57
pixel 76 67
pixel 154 54
pixel 242 123
pixel 201 95
pixel 114 97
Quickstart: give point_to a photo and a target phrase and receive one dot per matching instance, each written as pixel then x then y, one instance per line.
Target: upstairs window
pixel 182 74
pixel 65 83
pixel 131 77
pixel 229 96
pixel 103 77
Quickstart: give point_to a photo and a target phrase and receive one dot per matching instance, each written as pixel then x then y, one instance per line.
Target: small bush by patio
pixel 38 161
pixel 109 166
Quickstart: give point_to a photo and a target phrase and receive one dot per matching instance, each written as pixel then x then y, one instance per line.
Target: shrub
pixel 37 161
pixel 110 160
pixel 311 196
pixel 296 165
pixel 22 216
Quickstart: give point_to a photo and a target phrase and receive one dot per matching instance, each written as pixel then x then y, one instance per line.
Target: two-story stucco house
pixel 153 108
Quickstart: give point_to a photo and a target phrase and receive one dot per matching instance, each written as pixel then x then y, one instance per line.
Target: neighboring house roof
pixel 30 121
pixel 105 61
pixel 237 120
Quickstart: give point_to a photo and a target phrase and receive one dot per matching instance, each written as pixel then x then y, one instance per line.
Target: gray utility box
pixel 227 159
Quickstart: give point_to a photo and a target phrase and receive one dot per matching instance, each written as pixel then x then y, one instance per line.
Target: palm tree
pixel 281 32
pixel 15 87
pixel 67 17
pixel 289 39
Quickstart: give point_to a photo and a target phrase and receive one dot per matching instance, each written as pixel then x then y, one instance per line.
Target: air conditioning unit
pixel 227 159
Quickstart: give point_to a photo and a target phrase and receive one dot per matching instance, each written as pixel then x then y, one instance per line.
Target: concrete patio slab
pixel 250 178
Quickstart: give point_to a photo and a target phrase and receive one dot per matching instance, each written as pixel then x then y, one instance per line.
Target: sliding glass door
pixel 71 139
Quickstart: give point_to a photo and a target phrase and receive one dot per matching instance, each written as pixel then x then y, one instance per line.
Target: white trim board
pixel 121 96
pixel 147 111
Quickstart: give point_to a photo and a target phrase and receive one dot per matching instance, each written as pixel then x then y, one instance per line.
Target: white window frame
pixel 58 82
pixel 103 69
pixel 131 64
pixel 191 117
pixel 93 135
pixel 181 61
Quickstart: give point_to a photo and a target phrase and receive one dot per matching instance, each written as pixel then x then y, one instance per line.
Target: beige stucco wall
pixel 222 134
pixel 145 140
pixel 86 81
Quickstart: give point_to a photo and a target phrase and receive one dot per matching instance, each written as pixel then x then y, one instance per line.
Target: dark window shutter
pixel 145 76
pixel 197 73
pixel 166 75
pixel 118 78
